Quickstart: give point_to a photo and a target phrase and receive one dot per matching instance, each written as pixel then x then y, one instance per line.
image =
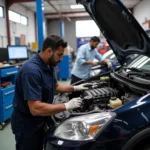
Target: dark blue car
pixel 115 113
pixel 109 55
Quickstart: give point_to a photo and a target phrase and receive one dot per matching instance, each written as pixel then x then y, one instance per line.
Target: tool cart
pixel 7 90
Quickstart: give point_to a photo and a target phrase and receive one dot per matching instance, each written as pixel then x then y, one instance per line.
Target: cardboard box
pixel 66 52
pixel 35 45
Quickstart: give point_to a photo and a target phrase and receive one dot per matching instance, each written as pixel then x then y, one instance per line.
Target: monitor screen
pixel 17 52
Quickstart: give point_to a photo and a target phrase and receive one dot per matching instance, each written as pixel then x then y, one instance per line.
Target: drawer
pixel 8 71
pixel 7 94
pixel 6 111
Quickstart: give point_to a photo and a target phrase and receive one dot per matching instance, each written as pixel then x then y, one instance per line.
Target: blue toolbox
pixel 7 90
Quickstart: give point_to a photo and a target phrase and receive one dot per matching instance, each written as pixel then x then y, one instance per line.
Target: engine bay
pixel 104 94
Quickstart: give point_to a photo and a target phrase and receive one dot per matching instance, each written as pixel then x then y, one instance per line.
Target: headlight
pixel 85 127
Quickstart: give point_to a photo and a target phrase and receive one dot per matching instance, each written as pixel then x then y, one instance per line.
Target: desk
pixel 14 65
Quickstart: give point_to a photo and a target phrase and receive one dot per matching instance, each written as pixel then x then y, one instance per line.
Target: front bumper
pixel 88 145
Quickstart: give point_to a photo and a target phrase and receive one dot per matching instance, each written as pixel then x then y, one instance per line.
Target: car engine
pixel 103 95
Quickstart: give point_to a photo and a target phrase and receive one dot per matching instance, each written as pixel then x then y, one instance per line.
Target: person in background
pixel 34 93
pixel 84 61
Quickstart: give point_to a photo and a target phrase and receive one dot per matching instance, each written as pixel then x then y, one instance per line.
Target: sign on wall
pixel 22 39
pixel 82 40
pixel 17 40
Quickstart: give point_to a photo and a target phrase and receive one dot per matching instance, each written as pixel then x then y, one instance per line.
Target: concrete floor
pixel 7 140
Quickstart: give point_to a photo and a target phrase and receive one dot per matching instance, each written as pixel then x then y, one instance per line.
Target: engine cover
pixel 99 93
pixel 99 97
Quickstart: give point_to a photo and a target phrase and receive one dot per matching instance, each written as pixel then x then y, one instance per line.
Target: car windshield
pixel 109 55
pixel 141 62
pixel 134 60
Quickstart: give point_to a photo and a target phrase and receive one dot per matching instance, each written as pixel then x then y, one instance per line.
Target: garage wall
pixel 142 10
pixel 17 29
pixel 46 30
pixel 53 27
pixel 69 29
pixel 3 33
pixel 70 33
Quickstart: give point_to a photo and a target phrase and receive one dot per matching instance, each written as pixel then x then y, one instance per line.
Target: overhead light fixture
pixel 76 6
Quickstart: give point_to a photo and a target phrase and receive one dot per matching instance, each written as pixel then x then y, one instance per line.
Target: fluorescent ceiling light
pixel 76 6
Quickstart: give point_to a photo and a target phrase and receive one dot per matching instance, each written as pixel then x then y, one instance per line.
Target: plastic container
pixel 115 102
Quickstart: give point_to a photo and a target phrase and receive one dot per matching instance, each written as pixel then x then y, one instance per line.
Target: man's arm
pixel 102 61
pixel 38 108
pixel 64 88
pixel 69 88
pixel 99 57
pixel 90 63
pixel 33 95
pixel 81 58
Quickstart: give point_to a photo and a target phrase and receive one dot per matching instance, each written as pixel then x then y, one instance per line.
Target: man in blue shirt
pixel 84 61
pixel 34 92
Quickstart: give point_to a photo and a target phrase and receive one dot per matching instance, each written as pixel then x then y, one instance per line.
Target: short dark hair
pixel 95 39
pixel 53 42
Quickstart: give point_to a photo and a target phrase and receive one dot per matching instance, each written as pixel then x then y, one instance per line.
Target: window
pixel 13 16
pixel 87 28
pixel 1 11
pixel 24 20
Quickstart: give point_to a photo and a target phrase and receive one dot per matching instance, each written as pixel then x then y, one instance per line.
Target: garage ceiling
pixel 53 8
pixel 62 5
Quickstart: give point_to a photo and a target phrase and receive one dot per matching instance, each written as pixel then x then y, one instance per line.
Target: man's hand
pixel 82 87
pixel 95 63
pixel 73 103
pixel 109 64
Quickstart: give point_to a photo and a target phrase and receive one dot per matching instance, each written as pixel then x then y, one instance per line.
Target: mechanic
pixel 34 92
pixel 84 61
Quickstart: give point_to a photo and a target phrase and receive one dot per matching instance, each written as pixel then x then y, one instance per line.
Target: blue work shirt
pixel 35 81
pixel 85 53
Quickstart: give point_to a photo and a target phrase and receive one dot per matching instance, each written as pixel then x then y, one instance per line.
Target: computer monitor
pixel 3 54
pixel 17 52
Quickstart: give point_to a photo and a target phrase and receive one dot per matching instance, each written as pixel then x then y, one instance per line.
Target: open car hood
pixel 122 31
